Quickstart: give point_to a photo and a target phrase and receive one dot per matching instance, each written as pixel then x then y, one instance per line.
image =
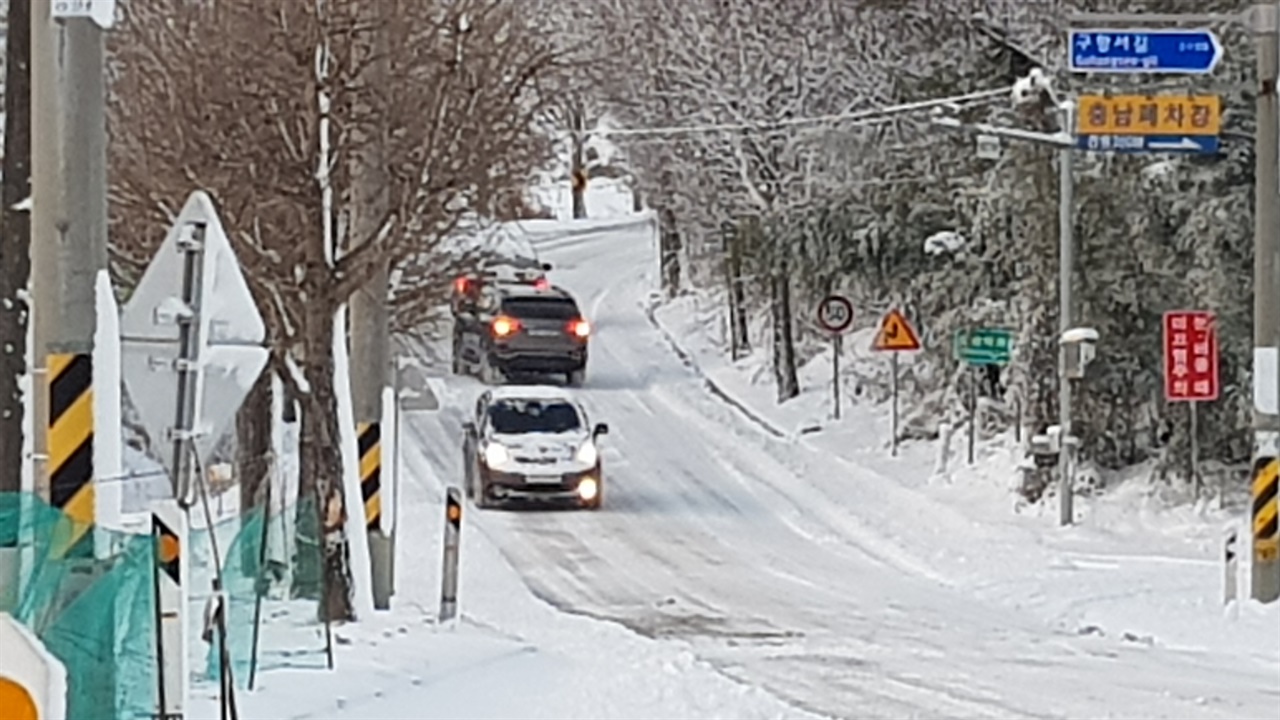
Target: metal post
pixel 1066 265
pixel 835 375
pixel 452 545
pixel 893 416
pixel 1265 574
pixel 973 415
pixel 1195 452
pixel 188 362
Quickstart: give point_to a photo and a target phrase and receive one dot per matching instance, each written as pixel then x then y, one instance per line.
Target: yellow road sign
pixel 1166 115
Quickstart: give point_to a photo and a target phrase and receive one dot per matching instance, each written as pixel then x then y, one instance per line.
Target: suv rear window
pixel 541 308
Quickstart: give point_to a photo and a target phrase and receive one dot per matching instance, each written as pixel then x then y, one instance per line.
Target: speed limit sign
pixel 835 313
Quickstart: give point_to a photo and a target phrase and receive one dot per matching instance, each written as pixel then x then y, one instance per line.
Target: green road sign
pixel 984 346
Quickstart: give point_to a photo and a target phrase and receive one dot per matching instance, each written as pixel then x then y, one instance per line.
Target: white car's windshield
pixel 514 417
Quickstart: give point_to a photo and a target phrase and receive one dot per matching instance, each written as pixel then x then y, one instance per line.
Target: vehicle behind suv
pixel 514 328
pixel 532 444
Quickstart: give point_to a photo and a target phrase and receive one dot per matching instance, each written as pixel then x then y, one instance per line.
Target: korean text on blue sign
pixel 1151 51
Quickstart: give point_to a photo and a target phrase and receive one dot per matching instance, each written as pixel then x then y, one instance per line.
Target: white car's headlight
pixel 587 454
pixel 495 454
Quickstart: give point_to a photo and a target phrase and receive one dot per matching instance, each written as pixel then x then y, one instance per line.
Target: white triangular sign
pixel 230 334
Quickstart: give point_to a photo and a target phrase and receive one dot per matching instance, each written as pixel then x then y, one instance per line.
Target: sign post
pixel 835 315
pixel 1191 369
pixel 978 348
pixel 895 335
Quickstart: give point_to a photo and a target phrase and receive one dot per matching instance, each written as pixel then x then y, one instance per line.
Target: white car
pixel 532 443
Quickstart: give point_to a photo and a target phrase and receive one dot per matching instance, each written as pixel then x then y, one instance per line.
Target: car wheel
pixel 577 378
pixel 482 499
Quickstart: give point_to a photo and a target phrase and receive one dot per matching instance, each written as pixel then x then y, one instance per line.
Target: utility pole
pixel 69 237
pixel 46 200
pixel 1066 267
pixel 1265 580
pixel 370 364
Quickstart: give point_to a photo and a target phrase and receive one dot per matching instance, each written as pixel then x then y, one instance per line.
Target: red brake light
pixel 503 326
pixel 541 284
pixel 460 285
pixel 581 328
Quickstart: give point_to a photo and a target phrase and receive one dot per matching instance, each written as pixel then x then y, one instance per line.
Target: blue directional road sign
pixel 1201 144
pixel 1180 51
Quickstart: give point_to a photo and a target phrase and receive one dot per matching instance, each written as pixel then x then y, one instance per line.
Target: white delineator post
pixel 1230 568
pixel 170 583
pixel 452 546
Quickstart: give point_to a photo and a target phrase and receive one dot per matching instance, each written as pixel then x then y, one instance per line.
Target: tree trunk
pixel 577 166
pixel 253 443
pixel 737 292
pixel 784 349
pixel 321 464
pixel 253 455
pixel 15 242
pixel 669 248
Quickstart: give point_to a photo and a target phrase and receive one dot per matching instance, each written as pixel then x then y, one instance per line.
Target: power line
pixel 874 115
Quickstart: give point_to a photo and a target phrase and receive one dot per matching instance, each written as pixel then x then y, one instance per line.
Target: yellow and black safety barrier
pixel 70 449
pixel 1266 485
pixel 369 439
pixel 168 549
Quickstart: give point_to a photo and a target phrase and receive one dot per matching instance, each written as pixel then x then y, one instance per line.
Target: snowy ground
pixel 847 582
pixel 741 568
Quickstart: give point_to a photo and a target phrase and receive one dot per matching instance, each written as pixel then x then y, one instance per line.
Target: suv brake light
pixel 503 326
pixel 580 328
pixel 460 285
pixel 541 284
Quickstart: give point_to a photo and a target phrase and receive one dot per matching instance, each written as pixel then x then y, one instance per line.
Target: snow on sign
pixel 835 313
pixel 229 335
pixel 102 12
pixel 1190 356
pixel 896 333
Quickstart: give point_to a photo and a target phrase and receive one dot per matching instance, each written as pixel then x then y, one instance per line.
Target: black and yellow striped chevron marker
pixel 369 439
pixel 70 448
pixel 168 549
pixel 1266 485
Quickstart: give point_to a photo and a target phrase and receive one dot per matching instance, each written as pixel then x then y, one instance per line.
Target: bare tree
pixel 15 241
pixel 261 103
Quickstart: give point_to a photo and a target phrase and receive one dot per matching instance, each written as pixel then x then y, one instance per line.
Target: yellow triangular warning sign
pixel 896 333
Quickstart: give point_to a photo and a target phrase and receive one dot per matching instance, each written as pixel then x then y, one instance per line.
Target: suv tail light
pixel 580 328
pixel 502 326
pixel 460 285
pixel 541 284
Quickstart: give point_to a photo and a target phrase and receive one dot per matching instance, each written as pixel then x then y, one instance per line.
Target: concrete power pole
pixel 1066 268
pixel 370 328
pixel 69 248
pixel 1265 585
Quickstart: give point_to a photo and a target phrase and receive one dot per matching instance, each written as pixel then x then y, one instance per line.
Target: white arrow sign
pixel 229 335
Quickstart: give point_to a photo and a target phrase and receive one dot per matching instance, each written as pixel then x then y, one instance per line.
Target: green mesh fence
pixel 97 615
pixel 278 561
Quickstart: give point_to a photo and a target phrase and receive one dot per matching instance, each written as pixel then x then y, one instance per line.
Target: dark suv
pixel 507 328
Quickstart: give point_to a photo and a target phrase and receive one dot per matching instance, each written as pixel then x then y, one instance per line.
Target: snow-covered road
pixel 721 535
